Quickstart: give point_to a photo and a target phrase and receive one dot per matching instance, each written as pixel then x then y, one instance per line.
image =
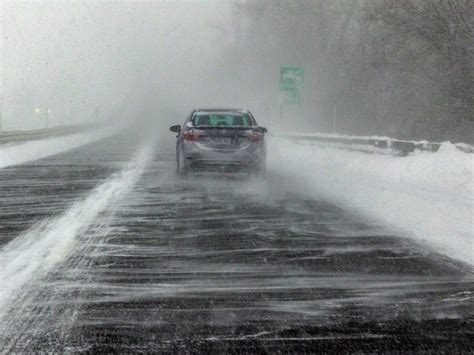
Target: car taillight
pixel 192 136
pixel 254 136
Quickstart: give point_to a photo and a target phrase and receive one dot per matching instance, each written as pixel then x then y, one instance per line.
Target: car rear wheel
pixel 180 166
pixel 259 170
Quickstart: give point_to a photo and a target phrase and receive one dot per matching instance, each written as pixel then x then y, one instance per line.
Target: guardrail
pixel 383 145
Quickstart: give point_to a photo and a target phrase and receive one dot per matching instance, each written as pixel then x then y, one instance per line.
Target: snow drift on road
pixel 427 196
pixel 19 153
pixel 35 253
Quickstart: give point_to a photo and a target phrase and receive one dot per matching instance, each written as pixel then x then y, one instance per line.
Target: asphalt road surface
pixel 105 249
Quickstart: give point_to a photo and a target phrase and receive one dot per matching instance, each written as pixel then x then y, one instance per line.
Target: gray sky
pixel 82 60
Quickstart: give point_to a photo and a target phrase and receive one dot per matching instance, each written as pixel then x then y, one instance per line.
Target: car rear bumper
pixel 221 166
pixel 225 161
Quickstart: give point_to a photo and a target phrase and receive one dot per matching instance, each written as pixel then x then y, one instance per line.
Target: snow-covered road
pixel 426 196
pixel 103 248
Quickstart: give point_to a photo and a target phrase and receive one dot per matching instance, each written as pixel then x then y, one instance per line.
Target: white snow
pixel 426 196
pixel 19 153
pixel 32 255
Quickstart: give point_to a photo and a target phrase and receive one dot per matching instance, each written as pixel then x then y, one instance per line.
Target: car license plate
pixel 222 140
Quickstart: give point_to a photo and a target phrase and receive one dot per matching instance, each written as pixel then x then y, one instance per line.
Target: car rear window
pixel 214 120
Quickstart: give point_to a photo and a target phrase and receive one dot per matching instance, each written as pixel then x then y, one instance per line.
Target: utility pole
pixel 281 112
pixel 334 117
pixel 47 117
pixel 1 108
pixel 97 116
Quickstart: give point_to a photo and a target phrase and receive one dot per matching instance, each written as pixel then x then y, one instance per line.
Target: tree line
pixel 399 68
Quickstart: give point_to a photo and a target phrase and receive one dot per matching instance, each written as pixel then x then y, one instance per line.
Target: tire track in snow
pixel 26 260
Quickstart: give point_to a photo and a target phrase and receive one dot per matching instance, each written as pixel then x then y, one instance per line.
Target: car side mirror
pixel 176 128
pixel 262 129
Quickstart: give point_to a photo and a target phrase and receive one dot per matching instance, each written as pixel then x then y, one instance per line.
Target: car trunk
pixel 223 138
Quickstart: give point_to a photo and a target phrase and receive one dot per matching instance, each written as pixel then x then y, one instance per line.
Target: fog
pixel 147 64
pixel 69 63
pixel 110 61
pixel 402 70
pixel 347 226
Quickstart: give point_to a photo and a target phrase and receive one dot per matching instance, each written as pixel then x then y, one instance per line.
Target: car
pixel 221 140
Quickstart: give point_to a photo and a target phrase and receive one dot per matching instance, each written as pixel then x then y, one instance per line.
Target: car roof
pixel 221 110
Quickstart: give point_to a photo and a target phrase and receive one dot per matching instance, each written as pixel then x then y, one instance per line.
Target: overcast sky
pixel 86 61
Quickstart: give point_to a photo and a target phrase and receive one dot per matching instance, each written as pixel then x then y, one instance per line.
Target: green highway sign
pixel 291 84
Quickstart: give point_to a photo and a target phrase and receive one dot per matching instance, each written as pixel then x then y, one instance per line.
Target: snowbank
pixel 369 143
pixel 14 154
pixel 426 196
pixel 335 135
